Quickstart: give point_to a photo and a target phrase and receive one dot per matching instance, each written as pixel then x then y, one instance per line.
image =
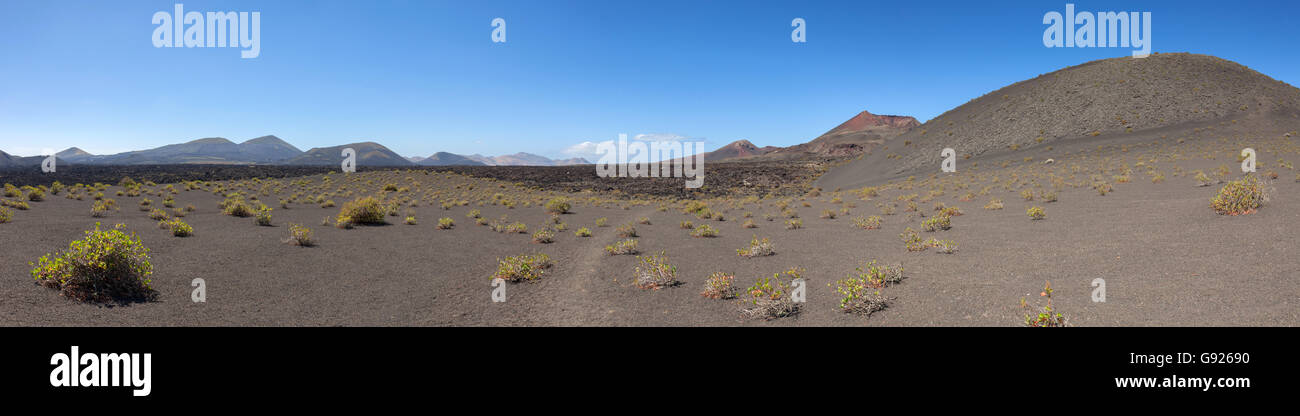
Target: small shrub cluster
pixel 525 267
pixel 757 248
pixel 654 272
pixel 106 266
pixel 1036 213
pixel 1239 197
pixel 936 223
pixel 300 236
pixel 769 298
pixel 622 247
pixel 705 231
pixel 558 205
pixel 1044 317
pixel 868 223
pixel 719 285
pixel 544 236
pixel 177 227
pixel 362 211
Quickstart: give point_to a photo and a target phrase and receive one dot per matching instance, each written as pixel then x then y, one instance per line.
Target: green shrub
pixel 558 205
pixel 654 272
pixel 1239 197
pixel 445 223
pixel 626 231
pixel 758 248
pixel 264 216
pixel 719 285
pixel 911 240
pixel 600 222
pixel 158 215
pixel 1047 316
pixel 6 215
pixel 860 292
pixel 942 246
pixel 526 267
pixel 582 232
pixel 793 224
pixel 365 211
pixel 236 207
pixel 543 236
pixel 868 223
pixel 622 247
pixel 769 298
pixel 300 236
pixel 35 194
pixel 106 266
pixel 705 231
pixel 179 228
pixel 1036 213
pixel 936 223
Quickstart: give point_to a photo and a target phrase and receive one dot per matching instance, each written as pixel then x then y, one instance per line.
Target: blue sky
pixel 424 76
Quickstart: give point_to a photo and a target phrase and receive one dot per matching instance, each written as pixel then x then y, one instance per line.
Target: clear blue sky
pixel 424 76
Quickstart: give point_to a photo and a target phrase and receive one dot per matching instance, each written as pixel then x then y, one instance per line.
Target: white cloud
pixel 583 149
pixel 661 137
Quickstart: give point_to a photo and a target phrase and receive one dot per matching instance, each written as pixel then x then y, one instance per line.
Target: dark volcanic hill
pixel 11 161
pixel 215 150
pixel 267 149
pixel 448 159
pixel 74 155
pixel 737 149
pixel 368 154
pixel 1100 98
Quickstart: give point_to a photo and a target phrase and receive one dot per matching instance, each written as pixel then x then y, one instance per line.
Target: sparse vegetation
pixel 1047 316
pixel 705 231
pixel 1036 213
pixel 1239 197
pixel 719 285
pixel 544 236
pixel 769 298
pixel 525 267
pixel 362 211
pixel 757 248
pixel 445 223
pixel 300 236
pixel 106 266
pixel 622 247
pixel 558 205
pixel 654 272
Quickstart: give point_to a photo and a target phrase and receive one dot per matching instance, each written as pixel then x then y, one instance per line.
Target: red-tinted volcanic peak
pixel 865 120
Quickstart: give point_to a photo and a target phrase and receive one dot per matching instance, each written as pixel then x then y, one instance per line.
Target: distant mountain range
pixel 851 138
pixel 271 150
